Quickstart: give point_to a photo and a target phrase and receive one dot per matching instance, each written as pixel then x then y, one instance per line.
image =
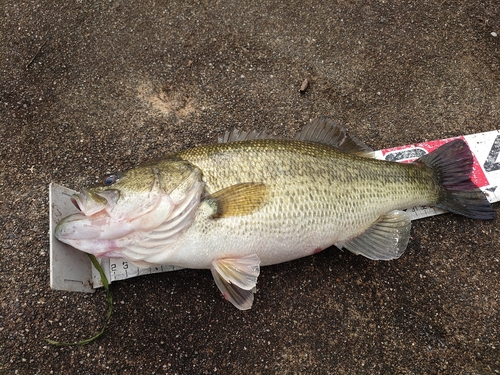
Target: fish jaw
pixel 107 234
pixel 90 225
pixel 79 227
pixel 98 248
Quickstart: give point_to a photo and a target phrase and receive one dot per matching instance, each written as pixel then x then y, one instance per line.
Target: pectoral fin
pixel 239 200
pixel 237 278
pixel 386 239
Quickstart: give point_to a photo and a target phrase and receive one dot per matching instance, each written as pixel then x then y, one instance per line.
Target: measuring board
pixel 71 269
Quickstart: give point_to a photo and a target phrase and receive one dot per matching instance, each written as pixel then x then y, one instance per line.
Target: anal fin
pixel 237 279
pixel 386 239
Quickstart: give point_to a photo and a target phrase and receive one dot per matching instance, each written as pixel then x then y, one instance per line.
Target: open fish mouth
pixel 96 219
pixel 98 230
pixel 91 203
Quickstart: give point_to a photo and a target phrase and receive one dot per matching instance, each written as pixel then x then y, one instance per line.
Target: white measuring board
pixel 71 269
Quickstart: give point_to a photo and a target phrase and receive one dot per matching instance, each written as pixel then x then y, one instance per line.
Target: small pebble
pixel 304 86
pixel 494 34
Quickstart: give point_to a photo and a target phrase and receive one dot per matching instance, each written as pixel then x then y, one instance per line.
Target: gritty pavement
pixel 92 87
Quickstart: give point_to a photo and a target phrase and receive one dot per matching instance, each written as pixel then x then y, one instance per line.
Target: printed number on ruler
pixel 491 164
pixel 120 268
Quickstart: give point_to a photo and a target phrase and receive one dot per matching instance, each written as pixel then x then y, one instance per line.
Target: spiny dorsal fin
pixel 240 135
pixel 326 131
pixel 239 200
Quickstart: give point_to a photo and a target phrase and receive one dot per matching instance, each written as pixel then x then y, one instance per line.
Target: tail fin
pixel 452 164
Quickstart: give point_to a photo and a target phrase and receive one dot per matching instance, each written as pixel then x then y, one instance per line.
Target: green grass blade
pixel 109 298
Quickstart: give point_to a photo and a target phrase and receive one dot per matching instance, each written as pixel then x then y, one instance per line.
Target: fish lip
pixel 76 202
pixel 62 233
pixel 79 200
pixel 78 227
pixel 91 203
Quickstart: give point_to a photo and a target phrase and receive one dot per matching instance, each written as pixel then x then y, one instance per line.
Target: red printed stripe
pixel 409 153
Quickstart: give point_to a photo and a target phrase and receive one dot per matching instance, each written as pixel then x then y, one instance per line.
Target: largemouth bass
pixel 252 200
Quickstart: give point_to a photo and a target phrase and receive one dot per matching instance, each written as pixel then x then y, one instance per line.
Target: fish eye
pixel 109 179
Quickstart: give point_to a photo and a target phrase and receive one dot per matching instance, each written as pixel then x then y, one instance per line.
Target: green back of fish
pixel 312 179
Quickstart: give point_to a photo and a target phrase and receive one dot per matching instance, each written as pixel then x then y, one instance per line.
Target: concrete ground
pixel 92 87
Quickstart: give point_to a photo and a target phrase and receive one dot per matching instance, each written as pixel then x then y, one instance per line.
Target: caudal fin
pixel 452 164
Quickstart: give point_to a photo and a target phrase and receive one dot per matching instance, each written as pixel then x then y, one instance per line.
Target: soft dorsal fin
pixel 240 135
pixel 239 200
pixel 326 131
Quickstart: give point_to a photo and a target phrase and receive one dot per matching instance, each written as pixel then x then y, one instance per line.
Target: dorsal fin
pixel 326 131
pixel 240 135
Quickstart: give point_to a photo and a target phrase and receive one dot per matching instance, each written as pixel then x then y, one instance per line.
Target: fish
pixel 252 200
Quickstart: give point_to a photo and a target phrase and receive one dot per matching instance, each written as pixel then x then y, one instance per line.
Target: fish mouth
pixel 100 218
pixel 91 203
pixel 93 220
